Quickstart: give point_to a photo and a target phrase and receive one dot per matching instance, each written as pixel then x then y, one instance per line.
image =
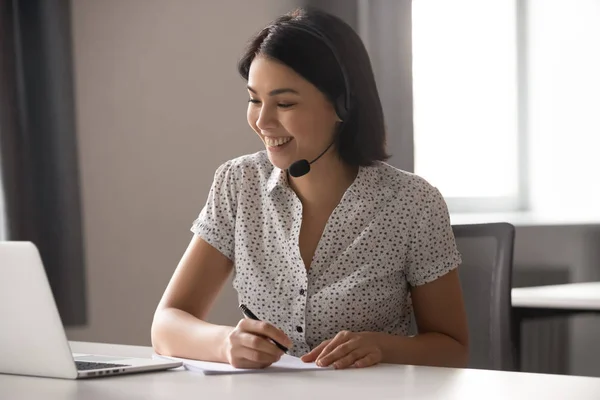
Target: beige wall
pixel 159 107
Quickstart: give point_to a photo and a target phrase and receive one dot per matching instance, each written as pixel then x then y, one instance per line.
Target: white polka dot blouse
pixel 390 231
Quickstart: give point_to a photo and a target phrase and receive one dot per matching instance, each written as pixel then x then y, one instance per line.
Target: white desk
pixel 572 296
pixel 379 382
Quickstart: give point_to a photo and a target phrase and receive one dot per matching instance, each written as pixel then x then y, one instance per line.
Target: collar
pixel 366 184
pixel 277 178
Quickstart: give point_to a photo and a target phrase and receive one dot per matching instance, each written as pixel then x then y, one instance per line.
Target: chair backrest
pixel 486 280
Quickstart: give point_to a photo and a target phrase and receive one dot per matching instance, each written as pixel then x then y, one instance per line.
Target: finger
pixel 258 356
pixel 260 344
pixel 264 328
pixel 339 352
pixel 367 361
pixel 349 359
pixel 314 353
pixel 333 344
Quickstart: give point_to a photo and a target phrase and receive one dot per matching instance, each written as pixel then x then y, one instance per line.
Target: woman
pixel 333 256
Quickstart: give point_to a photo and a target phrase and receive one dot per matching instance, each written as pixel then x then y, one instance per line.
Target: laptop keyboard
pixel 86 365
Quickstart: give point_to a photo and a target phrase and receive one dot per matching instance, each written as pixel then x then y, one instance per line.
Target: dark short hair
pixel 361 139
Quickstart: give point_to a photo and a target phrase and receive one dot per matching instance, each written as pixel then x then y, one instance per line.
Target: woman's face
pixel 291 116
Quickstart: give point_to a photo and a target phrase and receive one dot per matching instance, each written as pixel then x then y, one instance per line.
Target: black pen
pixel 251 315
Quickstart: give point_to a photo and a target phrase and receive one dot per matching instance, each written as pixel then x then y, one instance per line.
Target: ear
pixel 338 119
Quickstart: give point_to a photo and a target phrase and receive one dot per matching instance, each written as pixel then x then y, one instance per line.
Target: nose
pixel 267 119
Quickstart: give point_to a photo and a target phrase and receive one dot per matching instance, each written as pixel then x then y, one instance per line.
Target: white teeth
pixel 273 142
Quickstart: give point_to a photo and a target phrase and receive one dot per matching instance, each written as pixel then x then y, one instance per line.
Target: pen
pixel 246 311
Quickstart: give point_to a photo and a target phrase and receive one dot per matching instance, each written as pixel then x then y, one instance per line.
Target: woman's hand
pixel 248 345
pixel 346 349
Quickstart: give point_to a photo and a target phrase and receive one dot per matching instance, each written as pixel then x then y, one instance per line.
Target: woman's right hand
pixel 248 345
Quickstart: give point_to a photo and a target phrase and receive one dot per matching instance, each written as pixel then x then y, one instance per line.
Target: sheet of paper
pixel 287 363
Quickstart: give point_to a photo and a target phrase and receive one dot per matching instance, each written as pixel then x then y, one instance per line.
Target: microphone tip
pixel 299 168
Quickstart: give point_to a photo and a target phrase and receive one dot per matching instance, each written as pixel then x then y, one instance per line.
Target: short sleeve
pixel 432 250
pixel 216 221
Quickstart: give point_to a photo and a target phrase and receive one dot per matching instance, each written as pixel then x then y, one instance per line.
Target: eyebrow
pixel 277 91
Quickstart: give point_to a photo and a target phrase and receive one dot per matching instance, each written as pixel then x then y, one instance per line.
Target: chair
pixel 486 281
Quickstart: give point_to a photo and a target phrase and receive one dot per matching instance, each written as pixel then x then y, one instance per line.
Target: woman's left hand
pixel 346 349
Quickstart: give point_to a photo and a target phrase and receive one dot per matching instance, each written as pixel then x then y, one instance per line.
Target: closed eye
pixel 285 105
pixel 280 105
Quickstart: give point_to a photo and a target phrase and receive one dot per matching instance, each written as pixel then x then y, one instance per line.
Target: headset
pixel 341 104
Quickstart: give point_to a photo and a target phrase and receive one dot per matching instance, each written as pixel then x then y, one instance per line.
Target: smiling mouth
pixel 276 142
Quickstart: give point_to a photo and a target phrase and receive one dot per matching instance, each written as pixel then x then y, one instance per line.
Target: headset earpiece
pixel 341 108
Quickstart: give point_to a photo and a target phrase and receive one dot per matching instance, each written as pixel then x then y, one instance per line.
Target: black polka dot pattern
pixel 390 231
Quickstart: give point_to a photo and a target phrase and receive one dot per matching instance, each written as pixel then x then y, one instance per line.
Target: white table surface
pixel 378 382
pixel 584 296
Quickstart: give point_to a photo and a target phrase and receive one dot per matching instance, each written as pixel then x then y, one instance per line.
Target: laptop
pixel 32 338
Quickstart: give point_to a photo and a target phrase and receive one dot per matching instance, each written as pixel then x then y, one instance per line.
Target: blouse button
pixel 302 292
pixel 299 329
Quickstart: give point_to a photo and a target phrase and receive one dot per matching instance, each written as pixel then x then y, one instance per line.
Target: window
pixel 466 102
pixel 506 100
pixel 564 109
